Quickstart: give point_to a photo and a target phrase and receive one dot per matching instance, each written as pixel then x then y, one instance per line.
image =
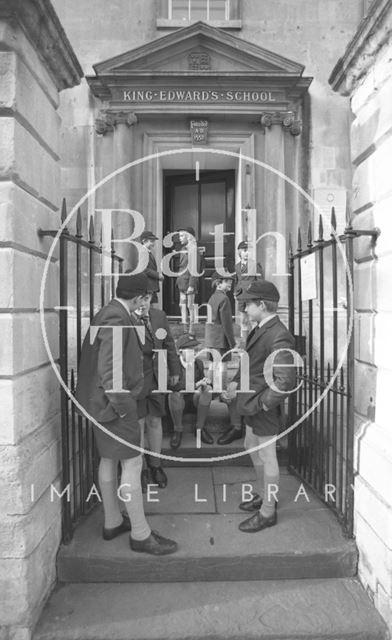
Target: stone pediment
pixel 198 66
pixel 199 49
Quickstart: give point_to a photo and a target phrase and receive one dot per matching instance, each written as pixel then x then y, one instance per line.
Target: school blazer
pixel 152 274
pixel 158 319
pixel 219 334
pixel 261 342
pixel 241 280
pixel 95 371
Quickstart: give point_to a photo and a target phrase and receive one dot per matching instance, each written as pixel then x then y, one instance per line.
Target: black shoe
pixel 230 435
pixel 155 544
pixel 110 534
pixel 145 479
pixel 175 440
pixel 159 477
pixel 257 522
pixel 206 437
pixel 252 505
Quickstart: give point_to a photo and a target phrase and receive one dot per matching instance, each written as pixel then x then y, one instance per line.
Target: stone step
pixel 215 454
pixel 336 609
pixel 306 543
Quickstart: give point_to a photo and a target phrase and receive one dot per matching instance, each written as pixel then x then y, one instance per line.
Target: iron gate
pixel 321 447
pixel 83 291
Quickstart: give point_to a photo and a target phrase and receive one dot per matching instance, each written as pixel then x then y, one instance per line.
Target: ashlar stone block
pixel 21 93
pixel 22 229
pixel 371 180
pixel 18 148
pixel 26 582
pixel 375 559
pixel 374 510
pixel 28 468
pixel 21 292
pixel 27 403
pixel 22 347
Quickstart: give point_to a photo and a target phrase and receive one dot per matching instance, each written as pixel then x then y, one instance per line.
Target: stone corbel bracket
pixel 107 121
pixel 287 120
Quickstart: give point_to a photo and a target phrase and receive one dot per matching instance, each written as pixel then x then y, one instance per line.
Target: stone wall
pixel 310 32
pixel 364 73
pixel 36 62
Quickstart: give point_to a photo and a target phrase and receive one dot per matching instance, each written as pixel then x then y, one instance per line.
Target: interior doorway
pixel 200 202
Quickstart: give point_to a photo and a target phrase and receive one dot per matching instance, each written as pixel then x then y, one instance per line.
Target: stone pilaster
pixel 36 62
pixel 116 144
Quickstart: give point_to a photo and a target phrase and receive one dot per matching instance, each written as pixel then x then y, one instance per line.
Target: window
pixel 193 10
pixel 179 13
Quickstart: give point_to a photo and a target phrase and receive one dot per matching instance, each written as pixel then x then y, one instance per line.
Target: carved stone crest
pixel 199 61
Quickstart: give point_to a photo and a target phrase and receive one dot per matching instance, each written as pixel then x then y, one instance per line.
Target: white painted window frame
pixel 170 10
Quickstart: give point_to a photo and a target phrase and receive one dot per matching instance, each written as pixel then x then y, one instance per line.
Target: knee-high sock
pixel 154 435
pixel 107 479
pixel 131 493
pixel 176 406
pixel 271 482
pixel 203 408
pixel 259 471
pixel 252 441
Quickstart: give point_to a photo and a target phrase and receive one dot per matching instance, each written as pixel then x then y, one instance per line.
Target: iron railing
pixel 321 447
pixel 83 290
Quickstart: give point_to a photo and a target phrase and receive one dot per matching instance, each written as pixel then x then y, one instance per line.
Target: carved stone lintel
pixel 107 121
pixel 286 119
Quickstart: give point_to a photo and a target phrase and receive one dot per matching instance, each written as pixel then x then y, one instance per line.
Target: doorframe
pixel 152 176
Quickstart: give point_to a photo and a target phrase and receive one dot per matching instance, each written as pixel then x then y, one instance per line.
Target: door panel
pixel 199 204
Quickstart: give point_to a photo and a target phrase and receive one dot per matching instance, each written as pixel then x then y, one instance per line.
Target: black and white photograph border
pixel 194 238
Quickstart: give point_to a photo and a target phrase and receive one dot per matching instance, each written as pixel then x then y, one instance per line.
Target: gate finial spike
pixel 79 224
pixel 63 210
pixel 64 214
pixel 321 229
pixel 333 219
pixel 112 243
pixel 91 231
pixel 299 240
pixel 310 235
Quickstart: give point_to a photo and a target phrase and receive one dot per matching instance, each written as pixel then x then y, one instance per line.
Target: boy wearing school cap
pixel 116 411
pixel 246 271
pixel 261 407
pixel 201 398
pixel 148 239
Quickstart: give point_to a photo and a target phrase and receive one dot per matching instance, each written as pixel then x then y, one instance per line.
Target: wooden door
pixel 200 204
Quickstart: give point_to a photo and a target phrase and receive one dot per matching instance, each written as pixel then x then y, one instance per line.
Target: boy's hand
pixel 204 382
pixel 230 392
